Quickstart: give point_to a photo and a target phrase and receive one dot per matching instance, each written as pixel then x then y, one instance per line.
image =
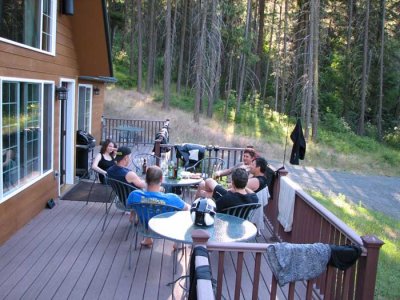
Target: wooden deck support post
pixel 204 287
pixel 368 267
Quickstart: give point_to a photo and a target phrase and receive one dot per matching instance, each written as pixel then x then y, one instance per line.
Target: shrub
pixel 393 138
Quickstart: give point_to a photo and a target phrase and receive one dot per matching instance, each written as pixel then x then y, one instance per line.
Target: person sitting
pixel 104 159
pixel 238 194
pixel 248 155
pixel 120 172
pixel 10 176
pixel 154 177
pixel 258 168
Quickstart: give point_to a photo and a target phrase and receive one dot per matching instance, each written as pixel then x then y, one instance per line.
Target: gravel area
pixel 381 193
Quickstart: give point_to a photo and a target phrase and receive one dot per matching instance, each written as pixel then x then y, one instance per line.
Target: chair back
pixel 138 160
pixel 122 190
pixel 243 211
pixel 145 211
pixel 207 166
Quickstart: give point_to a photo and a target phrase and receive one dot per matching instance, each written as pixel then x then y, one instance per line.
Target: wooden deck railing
pixel 314 223
pixel 230 155
pixel 147 136
pixel 311 223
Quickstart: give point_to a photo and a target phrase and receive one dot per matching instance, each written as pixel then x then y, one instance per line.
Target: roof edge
pixel 104 79
pixel 107 32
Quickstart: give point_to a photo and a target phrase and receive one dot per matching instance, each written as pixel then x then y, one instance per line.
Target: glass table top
pixel 178 226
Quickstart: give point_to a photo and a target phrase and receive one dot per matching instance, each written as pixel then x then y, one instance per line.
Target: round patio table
pixel 169 183
pixel 178 226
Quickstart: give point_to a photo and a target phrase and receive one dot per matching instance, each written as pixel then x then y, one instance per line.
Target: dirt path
pixel 381 193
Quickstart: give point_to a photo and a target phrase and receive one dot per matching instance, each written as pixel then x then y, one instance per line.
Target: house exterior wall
pixel 20 62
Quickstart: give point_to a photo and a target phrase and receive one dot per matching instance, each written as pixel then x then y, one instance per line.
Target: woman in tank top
pixel 104 159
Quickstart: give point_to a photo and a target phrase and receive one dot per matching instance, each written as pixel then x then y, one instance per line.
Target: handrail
pixel 331 218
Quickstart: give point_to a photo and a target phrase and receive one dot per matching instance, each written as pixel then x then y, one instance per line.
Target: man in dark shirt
pixel 258 168
pixel 237 195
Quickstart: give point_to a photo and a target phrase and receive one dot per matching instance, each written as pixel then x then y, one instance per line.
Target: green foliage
pixel 332 123
pixel 393 138
pixel 365 221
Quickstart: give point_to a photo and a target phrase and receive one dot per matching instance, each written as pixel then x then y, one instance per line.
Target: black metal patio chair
pixel 144 212
pixel 121 191
pixel 207 166
pixel 138 160
pixel 243 211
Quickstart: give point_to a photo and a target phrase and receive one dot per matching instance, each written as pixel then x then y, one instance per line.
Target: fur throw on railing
pixel 293 262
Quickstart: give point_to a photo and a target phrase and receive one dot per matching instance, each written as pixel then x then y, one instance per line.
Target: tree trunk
pixel 283 65
pixel 260 40
pixel 189 56
pixel 199 63
pixel 364 83
pixel 316 9
pixel 277 61
pixel 182 46
pixel 167 58
pixel 151 57
pixel 140 45
pixel 132 39
pixel 228 94
pixel 380 101
pixel 310 75
pixel 214 48
pixel 269 53
pixel 243 60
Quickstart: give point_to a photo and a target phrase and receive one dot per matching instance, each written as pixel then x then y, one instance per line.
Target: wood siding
pixel 69 61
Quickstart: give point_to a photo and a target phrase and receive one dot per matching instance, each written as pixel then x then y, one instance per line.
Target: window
pixel 85 107
pixel 27 135
pixel 28 22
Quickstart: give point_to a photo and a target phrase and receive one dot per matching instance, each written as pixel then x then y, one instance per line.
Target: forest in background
pixel 330 63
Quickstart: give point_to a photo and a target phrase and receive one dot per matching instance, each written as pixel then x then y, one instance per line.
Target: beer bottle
pixel 144 167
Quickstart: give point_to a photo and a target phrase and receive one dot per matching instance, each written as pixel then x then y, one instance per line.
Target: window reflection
pixel 21 132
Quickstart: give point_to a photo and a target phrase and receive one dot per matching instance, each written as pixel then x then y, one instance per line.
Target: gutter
pixel 104 79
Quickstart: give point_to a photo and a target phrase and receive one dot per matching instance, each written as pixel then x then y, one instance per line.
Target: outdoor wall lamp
pixel 62 93
pixel 96 91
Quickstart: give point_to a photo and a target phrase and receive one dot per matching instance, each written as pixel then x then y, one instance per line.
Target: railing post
pixel 273 205
pixel 204 290
pixel 157 148
pixel 368 267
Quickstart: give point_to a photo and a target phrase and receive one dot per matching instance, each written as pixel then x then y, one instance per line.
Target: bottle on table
pixel 144 167
pixel 171 169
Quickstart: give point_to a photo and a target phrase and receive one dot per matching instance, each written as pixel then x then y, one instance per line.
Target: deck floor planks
pixel 12 249
pixel 85 277
pixel 24 235
pixel 30 256
pixel 83 237
pixel 80 263
pixel 87 263
pixel 56 258
pixel 120 263
pixel 106 261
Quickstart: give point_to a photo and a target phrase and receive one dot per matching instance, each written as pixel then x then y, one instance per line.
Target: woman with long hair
pixel 105 158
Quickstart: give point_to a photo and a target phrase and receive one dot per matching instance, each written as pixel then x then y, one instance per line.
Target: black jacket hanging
pixel 299 144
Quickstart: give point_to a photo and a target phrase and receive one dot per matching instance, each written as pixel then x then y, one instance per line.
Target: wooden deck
pixel 63 254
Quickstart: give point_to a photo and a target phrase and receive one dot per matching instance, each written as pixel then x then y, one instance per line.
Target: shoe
pixel 147 243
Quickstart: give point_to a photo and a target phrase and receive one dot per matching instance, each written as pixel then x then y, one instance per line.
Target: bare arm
pixel 95 165
pixel 131 177
pixel 253 184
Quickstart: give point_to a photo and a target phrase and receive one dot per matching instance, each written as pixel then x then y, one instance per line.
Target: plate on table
pixel 195 176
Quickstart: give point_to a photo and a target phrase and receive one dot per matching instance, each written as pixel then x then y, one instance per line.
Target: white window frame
pixel 89 86
pixel 52 52
pixel 42 175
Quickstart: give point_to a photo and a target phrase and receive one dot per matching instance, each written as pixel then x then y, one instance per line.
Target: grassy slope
pixel 370 222
pixel 337 150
